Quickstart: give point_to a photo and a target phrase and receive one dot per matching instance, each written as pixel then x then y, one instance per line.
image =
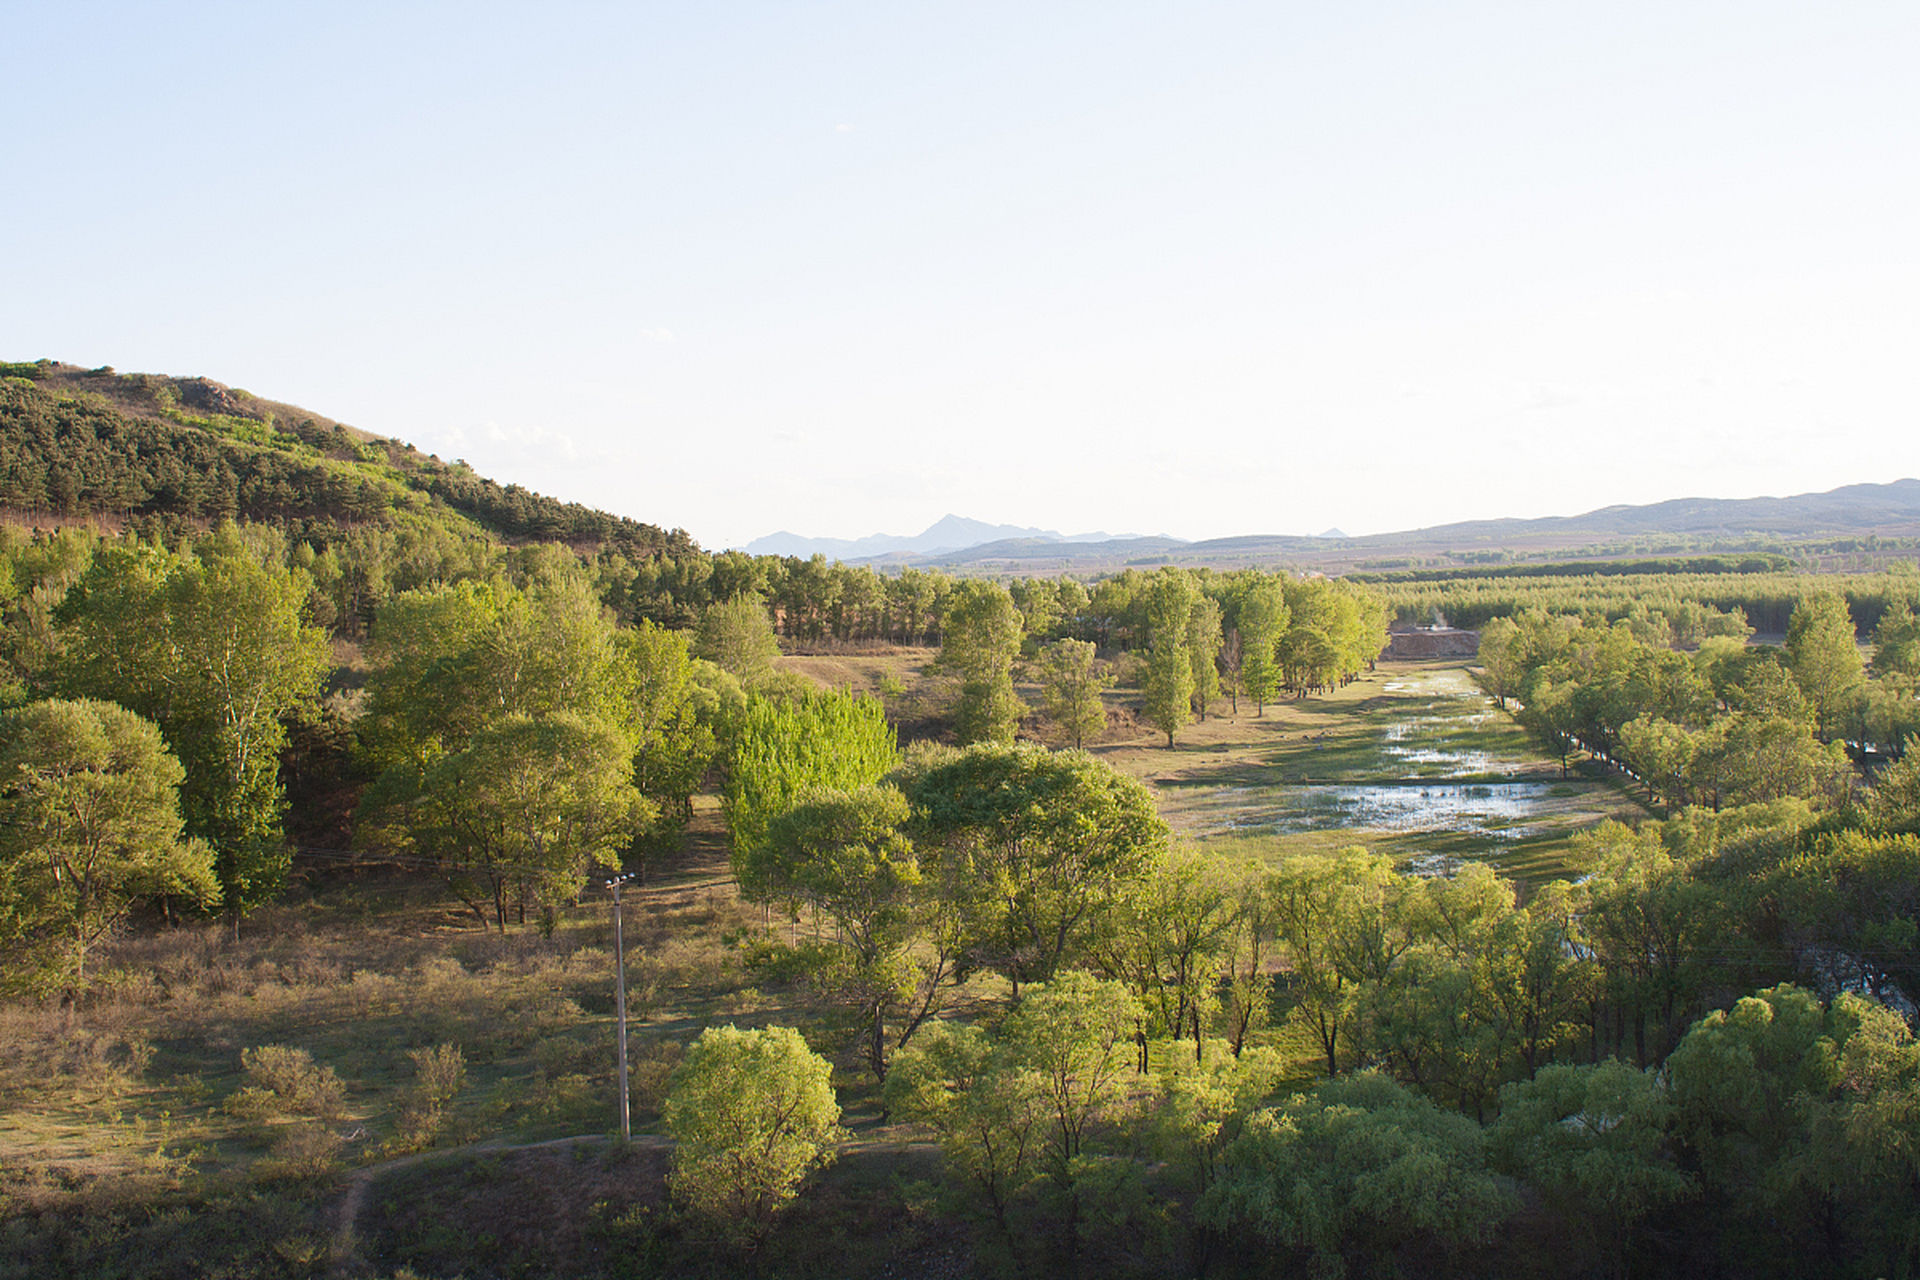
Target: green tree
pixel 1896 642
pixel 1203 651
pixel 89 825
pixel 1502 659
pixel 1653 927
pixel 1168 941
pixel 1894 803
pixel 1071 681
pixel 751 1113
pixel 1477 995
pixel 980 638
pixel 1263 620
pixel 1171 600
pixel 777 749
pixel 1203 1105
pixel 1592 1140
pixel 1036 840
pixel 1762 758
pixel 1552 713
pixel 1824 656
pixel 1340 925
pixel 1354 1171
pixel 1027 1110
pixel 215 649
pixel 737 636
pixel 670 716
pixel 1749 1085
pixel 1038 600
pixel 1663 753
pixel 844 854
pixel 1070 1039
pixel 989 1116
pixel 452 659
pixel 521 815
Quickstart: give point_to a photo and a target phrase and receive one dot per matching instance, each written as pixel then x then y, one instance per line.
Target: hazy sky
pixel 840 268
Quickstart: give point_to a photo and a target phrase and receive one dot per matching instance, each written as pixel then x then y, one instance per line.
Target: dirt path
pixel 346 1243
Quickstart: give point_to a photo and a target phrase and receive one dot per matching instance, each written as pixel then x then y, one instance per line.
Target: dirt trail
pixel 346 1244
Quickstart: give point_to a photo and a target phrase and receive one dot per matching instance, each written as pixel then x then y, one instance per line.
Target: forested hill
pixel 159 452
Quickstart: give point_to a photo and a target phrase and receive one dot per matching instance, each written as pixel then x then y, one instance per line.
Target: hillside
pixel 151 450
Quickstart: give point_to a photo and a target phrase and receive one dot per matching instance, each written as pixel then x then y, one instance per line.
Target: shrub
pixel 439 1073
pixel 752 1112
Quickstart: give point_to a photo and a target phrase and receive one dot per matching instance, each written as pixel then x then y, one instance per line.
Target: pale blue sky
pixel 840 268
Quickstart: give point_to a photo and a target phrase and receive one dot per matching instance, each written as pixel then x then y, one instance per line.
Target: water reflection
pixel 1424 806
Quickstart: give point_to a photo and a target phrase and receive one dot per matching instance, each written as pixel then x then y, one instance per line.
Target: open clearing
pixel 1411 759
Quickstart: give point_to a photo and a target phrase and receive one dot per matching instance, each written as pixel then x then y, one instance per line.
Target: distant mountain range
pixel 948 534
pixel 1682 524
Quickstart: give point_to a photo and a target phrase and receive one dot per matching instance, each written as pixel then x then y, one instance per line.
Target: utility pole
pixel 620 989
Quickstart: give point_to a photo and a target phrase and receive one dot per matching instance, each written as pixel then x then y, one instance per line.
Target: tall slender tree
pixel 1263 620
pixel 1203 652
pixel 1171 599
pixel 980 638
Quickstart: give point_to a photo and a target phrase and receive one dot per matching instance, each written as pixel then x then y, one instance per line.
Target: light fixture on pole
pixel 620 1001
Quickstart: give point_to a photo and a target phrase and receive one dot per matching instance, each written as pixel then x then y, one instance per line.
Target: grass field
pixel 1378 763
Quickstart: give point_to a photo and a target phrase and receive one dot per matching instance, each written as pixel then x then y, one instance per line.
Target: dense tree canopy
pixel 214 647
pixel 89 825
pixel 1038 839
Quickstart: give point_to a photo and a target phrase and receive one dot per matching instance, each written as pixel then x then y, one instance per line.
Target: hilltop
pixel 153 452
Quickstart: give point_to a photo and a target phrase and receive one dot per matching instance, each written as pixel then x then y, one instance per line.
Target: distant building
pixel 1433 642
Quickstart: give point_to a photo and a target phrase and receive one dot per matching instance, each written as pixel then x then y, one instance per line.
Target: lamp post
pixel 620 1004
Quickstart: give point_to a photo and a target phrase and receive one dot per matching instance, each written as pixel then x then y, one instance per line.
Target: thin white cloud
pixel 657 335
pixel 537 440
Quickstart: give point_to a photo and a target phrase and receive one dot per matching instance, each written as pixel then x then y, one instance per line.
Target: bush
pixel 285 1082
pixel 439 1073
pixel 295 1103
pixel 752 1113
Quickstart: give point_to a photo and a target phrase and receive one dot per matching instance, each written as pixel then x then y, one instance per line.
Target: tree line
pixel 1694 606
pixel 1729 722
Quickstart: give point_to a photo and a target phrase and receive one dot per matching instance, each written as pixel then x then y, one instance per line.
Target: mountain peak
pixel 949 533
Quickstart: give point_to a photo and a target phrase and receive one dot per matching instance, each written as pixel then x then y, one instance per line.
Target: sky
pixel 1191 268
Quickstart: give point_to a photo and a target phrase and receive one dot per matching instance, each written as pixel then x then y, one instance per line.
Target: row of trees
pixel 1201 636
pixel 1730 723
pixel 1690 606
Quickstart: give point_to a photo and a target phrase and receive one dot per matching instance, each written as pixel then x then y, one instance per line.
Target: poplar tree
pixel 1824 658
pixel 1203 651
pixel 779 748
pixel 1171 598
pixel 1263 620
pixel 980 638
pixel 1071 684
